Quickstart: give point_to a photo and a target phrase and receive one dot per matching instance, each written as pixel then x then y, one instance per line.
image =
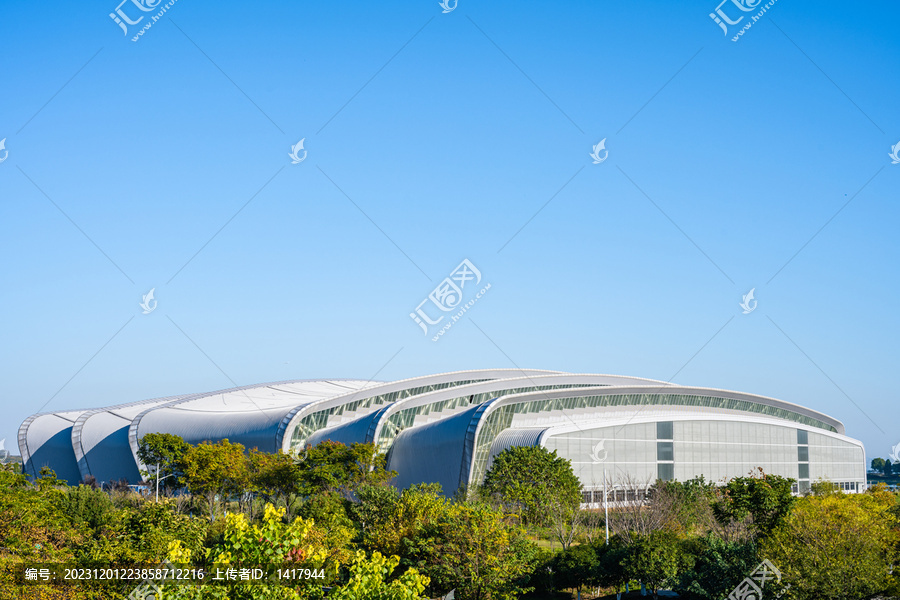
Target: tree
pixel 86 506
pixel 472 550
pixel 32 526
pixel 154 525
pixel 215 471
pixel 654 560
pixel 575 567
pixel 397 522
pixel 267 543
pixel 691 504
pixel 887 469
pixel 878 464
pixel 277 476
pixel 333 466
pixel 368 581
pixel 529 479
pixel 823 487
pixel 765 498
pixel 610 571
pixel 718 566
pixel 334 529
pixel 375 507
pixel 162 454
pixel 836 546
pixel 565 519
pixel 648 507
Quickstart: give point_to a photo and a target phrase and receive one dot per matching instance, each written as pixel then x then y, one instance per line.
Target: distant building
pixel 447 428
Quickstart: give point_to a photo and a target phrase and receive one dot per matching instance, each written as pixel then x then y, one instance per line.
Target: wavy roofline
pixel 283 441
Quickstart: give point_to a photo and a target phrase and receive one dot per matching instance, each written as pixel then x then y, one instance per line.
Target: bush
pixel 87 506
pixel 718 567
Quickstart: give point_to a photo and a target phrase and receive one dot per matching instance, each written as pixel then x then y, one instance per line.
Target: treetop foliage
pixel 531 480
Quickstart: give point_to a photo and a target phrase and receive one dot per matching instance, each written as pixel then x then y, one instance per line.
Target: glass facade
pixel 502 418
pixel 716 449
pixel 834 460
pixel 321 419
pixel 629 452
pixel 665 430
pixel 665 451
pixel 405 418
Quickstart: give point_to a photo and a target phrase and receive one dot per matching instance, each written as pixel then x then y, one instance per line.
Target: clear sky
pixel 434 137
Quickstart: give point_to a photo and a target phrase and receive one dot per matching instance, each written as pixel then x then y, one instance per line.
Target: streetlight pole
pixel 605 508
pixel 158 480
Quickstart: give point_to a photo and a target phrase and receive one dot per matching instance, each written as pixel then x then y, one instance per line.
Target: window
pixel 666 472
pixel 804 471
pixel 802 436
pixel 803 453
pixel 665 451
pixel 664 430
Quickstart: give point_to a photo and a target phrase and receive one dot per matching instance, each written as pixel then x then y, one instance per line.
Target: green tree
pixel 215 471
pixel 576 567
pixel 163 455
pixel 153 526
pixel 333 466
pixel 32 529
pixel 887 469
pixel 92 508
pixel 369 581
pixel 718 566
pixel 654 560
pixel 375 506
pixel 276 476
pixel 269 542
pixel 610 571
pixel 531 480
pixel 836 546
pixel 823 487
pixel 690 502
pixel 32 526
pixel 767 498
pixel 397 522
pixel 472 550
pixel 334 529
pixel 878 464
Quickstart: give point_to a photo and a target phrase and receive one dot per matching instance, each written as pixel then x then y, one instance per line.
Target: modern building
pixel 448 428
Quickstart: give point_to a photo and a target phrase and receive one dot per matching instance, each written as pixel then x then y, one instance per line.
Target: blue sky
pixel 432 138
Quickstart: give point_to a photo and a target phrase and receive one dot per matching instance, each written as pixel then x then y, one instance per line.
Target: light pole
pixel 158 480
pixel 605 508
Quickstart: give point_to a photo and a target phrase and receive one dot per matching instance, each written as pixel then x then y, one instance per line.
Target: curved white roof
pixel 45 439
pixel 298 425
pixel 382 426
pixel 502 387
pixel 248 415
pixel 100 441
